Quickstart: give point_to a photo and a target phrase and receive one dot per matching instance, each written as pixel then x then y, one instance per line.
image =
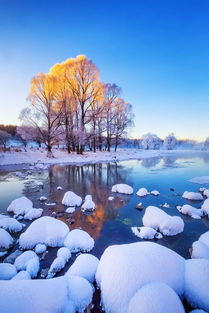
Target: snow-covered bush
pixel 122 188
pixel 170 142
pixel 151 142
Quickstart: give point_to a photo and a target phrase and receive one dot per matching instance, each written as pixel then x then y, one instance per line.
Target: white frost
pixel 71 199
pixel 79 240
pixel 122 188
pixel 190 195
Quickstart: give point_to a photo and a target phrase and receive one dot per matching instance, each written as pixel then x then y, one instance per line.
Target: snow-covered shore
pixel 17 158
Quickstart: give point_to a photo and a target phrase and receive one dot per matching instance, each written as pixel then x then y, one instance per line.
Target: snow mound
pixel 23 275
pixel 123 269
pixel 191 211
pixel 206 193
pixel 33 214
pixel 200 250
pixel 70 210
pixel 71 199
pixel 155 193
pixel 85 266
pixel 28 261
pixel 123 188
pixel 197 283
pixel 40 248
pixel 7 271
pixel 190 195
pixel 166 205
pixel 142 192
pixel 64 253
pixel 205 238
pixel 205 207
pixel 200 180
pixel 10 224
pixel 162 297
pixel 6 240
pixel 63 256
pixel 46 230
pixel 79 240
pixel 88 205
pixel 146 233
pixel 20 206
pixel 11 258
pixel 159 220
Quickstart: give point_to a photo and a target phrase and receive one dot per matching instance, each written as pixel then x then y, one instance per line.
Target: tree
pixel 43 114
pixel 28 133
pixel 4 138
pixel 170 142
pixel 150 142
pixel 206 144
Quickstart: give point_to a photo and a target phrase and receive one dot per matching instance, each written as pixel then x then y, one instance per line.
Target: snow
pixel 166 205
pixel 155 193
pixel 191 211
pixel 159 220
pixel 79 240
pixel 59 188
pixel 146 232
pixel 198 311
pixel 11 258
pixel 88 205
pixel 206 193
pixel 123 269
pixel 200 180
pixel 200 250
pixel 205 238
pixel 23 275
pixel 71 199
pixel 6 240
pixel 122 188
pixel 62 294
pixel 28 261
pixel 40 248
pixel 162 297
pixel 197 283
pixel 70 210
pixel 142 192
pixel 205 207
pixel 64 253
pixel 110 198
pixel 20 206
pixel 57 265
pixel 33 214
pixel 43 198
pixel 7 271
pixel 46 230
pixel 10 224
pixel 40 183
pixel 190 195
pixel 85 266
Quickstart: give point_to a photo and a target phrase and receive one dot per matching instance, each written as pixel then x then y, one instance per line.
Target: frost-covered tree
pixel 206 144
pixel 170 142
pixel 4 138
pixel 28 133
pixel 150 142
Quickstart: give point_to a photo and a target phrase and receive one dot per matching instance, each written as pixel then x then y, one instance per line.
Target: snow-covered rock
pixel 63 256
pixel 200 250
pixel 22 275
pixel 85 266
pixel 190 195
pixel 146 232
pixel 110 198
pixel 88 205
pixel 159 220
pixel 197 283
pixel 71 199
pixel 59 188
pixel 40 183
pixel 70 210
pixel 7 271
pixel 64 253
pixel 11 258
pixel 63 294
pixel 155 193
pixel 124 269
pixel 79 240
pixel 205 238
pixel 166 205
pixel 122 188
pixel 43 198
pixel 20 206
pixel 191 211
pixel 205 207
pixel 10 224
pixel 46 230
pixel 206 193
pixel 33 214
pixel 40 248
pixel 142 192
pixel 6 240
pixel 155 297
pixel 28 261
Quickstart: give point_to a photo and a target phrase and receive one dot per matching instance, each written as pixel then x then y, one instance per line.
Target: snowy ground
pixel 14 158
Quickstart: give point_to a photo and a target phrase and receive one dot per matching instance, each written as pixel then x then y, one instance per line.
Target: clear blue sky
pixel 156 50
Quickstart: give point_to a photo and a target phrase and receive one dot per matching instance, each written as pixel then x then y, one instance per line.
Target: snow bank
pixel 23 275
pixel 79 240
pixel 155 193
pixel 122 188
pixel 20 206
pixel 142 192
pixel 205 207
pixel 197 283
pixel 10 224
pixel 200 180
pixel 123 269
pixel 40 248
pixel 7 271
pixel 6 240
pixel 155 297
pixel 46 230
pixel 71 199
pixel 159 220
pixel 63 294
pixel 190 195
pixel 146 233
pixel 191 211
pixel 28 261
pixel 33 214
pixel 85 266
